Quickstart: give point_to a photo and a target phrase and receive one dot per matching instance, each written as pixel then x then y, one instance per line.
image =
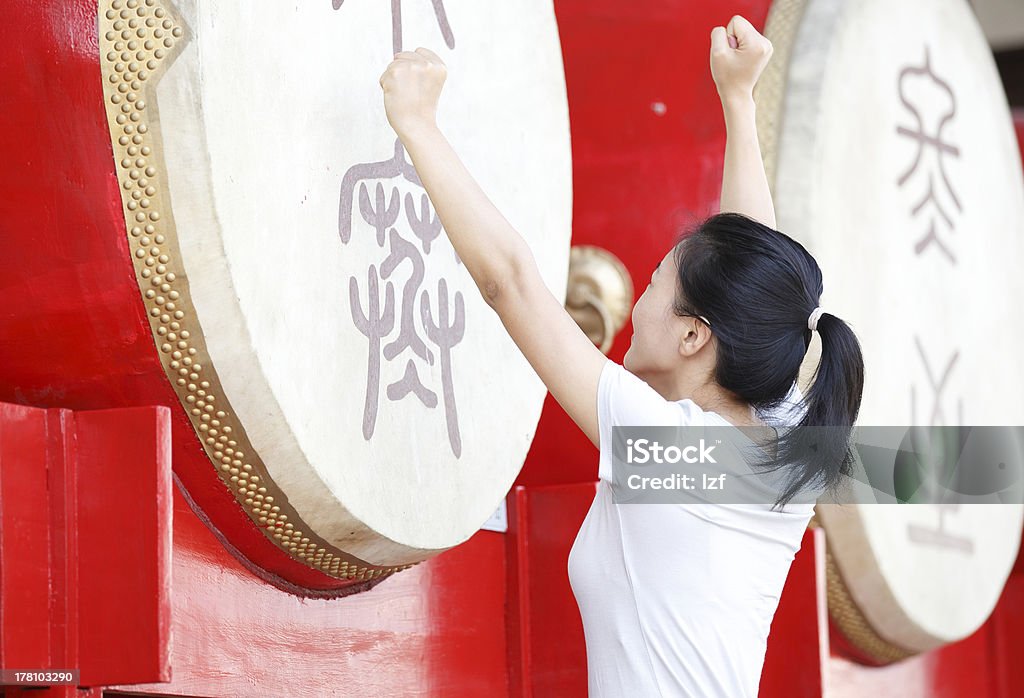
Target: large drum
pixel 892 153
pixel 262 255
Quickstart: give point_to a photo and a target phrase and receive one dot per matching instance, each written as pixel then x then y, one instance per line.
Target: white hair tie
pixel 812 320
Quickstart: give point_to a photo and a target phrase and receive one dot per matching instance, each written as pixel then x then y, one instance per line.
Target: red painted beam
pixel 547 654
pixel 124 544
pixel 435 630
pixel 795 661
pixel 25 623
pixel 85 542
pixel 89 496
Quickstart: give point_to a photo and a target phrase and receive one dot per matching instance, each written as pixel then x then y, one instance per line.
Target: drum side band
pixel 782 29
pixel 136 46
pixel 848 618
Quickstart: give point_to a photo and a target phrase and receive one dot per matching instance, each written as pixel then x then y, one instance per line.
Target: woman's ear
pixel 694 334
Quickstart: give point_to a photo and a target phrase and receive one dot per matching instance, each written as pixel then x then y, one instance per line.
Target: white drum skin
pixel 392 425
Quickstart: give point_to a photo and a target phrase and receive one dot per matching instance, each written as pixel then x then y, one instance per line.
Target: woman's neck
pixel 710 396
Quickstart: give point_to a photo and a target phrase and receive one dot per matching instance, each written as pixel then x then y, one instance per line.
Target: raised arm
pixel 495 254
pixel 738 56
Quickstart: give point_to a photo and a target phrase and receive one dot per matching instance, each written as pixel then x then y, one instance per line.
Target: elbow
pixel 491 291
pixel 502 285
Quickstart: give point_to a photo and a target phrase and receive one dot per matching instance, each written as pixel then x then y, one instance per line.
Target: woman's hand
pixel 412 85
pixel 738 55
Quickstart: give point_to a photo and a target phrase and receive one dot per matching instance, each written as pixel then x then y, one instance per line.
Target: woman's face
pixel 657 330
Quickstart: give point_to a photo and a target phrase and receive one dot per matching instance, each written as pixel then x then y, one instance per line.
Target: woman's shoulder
pixel 631 400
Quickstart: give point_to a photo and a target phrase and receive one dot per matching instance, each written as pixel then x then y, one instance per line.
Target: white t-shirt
pixel 677 599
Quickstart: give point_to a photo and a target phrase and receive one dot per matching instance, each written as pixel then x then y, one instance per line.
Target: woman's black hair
pixel 756 287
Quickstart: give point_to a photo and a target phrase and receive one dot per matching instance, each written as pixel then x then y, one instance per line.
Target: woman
pixel 675 600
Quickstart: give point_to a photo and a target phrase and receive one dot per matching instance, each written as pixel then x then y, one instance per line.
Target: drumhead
pixel 341 369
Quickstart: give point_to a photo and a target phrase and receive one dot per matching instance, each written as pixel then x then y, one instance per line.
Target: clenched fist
pixel 412 85
pixel 738 55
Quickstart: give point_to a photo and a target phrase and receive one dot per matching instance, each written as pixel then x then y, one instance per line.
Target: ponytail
pixel 820 458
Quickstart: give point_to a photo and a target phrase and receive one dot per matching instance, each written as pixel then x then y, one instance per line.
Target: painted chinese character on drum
pixel 938 111
pixel 931 101
pixel 400 217
pixel 396 22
